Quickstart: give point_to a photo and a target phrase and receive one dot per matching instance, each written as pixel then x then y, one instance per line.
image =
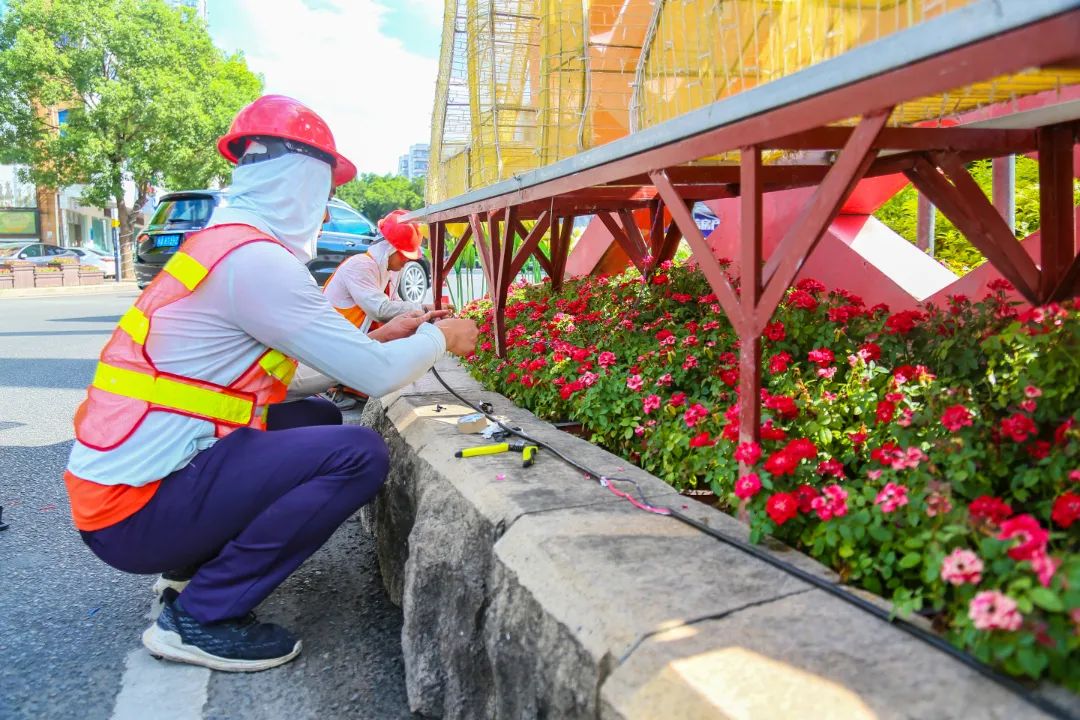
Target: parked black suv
pixel 347 233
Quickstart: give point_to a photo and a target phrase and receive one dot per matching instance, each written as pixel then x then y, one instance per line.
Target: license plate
pixel 166 240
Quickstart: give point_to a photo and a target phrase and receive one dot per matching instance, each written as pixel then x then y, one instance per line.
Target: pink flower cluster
pixel 994 610
pixel 831 503
pixel 891 498
pixel 961 567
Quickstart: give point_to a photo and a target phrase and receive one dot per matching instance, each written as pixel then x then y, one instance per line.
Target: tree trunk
pixel 127 238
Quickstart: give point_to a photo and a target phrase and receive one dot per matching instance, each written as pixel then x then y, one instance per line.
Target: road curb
pixel 107 288
pixel 525 589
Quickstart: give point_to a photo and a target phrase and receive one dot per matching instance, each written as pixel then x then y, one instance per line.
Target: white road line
pixel 160 689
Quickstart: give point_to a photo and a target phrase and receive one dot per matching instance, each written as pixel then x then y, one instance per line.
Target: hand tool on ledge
pixel 528 452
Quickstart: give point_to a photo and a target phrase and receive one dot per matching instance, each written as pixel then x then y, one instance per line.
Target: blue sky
pixel 368 66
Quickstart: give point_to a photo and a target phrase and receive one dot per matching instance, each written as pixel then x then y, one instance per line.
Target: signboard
pixel 18 223
pixel 706 219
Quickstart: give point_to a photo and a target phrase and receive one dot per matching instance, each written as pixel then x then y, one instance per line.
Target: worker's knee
pixel 364 461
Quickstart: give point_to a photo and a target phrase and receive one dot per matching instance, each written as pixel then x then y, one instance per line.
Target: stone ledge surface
pixel 535 593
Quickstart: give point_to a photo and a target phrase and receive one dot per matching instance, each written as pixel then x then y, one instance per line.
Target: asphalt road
pixel 70 625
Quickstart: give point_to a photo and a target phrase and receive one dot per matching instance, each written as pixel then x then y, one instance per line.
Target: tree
pixel 146 92
pixel 376 195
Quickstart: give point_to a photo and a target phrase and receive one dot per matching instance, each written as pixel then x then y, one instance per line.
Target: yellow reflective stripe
pixel 135 324
pixel 173 394
pixel 277 365
pixel 189 271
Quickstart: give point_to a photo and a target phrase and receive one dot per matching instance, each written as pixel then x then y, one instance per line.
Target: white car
pixel 97 258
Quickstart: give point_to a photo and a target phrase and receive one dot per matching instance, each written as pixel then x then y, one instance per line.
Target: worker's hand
pixel 460 334
pixel 405 325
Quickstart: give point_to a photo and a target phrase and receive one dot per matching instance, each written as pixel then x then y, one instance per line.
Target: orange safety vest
pixel 355 314
pixel 127 386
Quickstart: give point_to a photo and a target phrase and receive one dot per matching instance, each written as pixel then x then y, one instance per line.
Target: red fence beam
pixel 1057 231
pixel 807 229
pixel 710 268
pixel 438 259
pixel 985 141
pixel 531 244
pixel 750 186
pixel 974 215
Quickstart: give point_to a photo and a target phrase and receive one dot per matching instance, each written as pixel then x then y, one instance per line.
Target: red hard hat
pixel 282 117
pixel 405 237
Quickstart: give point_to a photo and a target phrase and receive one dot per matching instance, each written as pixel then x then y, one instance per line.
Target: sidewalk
pixel 108 287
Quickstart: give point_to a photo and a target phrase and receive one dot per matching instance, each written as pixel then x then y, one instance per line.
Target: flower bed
pixel 931 457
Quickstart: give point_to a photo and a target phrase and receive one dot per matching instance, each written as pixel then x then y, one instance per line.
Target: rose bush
pixel 929 456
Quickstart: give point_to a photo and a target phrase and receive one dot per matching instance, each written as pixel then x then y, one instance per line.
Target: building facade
pixel 414 164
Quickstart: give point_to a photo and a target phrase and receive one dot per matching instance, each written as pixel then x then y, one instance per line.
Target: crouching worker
pixel 364 286
pixel 173 470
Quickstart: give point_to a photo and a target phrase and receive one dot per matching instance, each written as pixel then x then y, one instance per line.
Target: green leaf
pixel 1032 661
pixel 1047 599
pixel 910 560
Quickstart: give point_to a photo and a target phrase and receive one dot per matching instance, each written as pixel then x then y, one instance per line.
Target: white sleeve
pixel 364 280
pixel 307 382
pixel 273 298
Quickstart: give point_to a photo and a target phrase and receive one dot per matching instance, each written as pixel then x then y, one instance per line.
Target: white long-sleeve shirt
pixel 362 281
pixel 260 296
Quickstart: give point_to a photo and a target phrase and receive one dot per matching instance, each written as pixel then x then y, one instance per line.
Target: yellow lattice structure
pixel 524 83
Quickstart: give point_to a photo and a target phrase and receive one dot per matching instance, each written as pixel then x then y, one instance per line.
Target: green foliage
pixel 376 195
pixel 951 248
pixel 147 94
pixel 881 432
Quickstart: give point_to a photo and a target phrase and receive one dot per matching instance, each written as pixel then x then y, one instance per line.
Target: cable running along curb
pixel 834 589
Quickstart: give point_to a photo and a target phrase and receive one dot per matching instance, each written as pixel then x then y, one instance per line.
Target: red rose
pixel 869 351
pixel 781 463
pixel 987 507
pixel 802 449
pixel 832 467
pixel 659 279
pixel 857 438
pixel 677 399
pixel 810 285
pixel 956 417
pixel 1066 509
pixel 775 331
pixel 822 356
pixel 782 507
pixel 771 432
pixel 1031 534
pixel 1039 450
pixel 606 359
pixel 804 300
pixel 784 406
pixel 694 414
pixel 1018 427
pixel 747 486
pixel 903 322
pixel 748 453
pixel 805 495
pixel 702 440
pixel 885 411
pixel 779 362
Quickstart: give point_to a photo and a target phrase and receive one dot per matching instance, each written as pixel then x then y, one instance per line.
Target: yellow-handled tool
pixel 528 452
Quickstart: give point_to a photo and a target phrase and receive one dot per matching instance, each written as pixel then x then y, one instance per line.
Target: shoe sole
pixel 168 645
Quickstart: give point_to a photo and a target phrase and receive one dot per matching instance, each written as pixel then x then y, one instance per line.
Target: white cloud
pixel 376 95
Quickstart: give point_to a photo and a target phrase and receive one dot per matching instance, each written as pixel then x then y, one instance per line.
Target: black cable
pixel 834 589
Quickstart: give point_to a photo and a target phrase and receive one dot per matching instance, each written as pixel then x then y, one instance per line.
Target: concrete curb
pixel 107 288
pixel 536 593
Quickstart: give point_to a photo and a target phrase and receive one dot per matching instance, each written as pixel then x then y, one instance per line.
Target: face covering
pixel 288 195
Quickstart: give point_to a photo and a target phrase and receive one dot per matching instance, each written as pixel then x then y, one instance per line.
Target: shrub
pixel 932 456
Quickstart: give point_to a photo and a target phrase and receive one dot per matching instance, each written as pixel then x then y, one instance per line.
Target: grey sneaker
pixel 243 645
pixel 342 401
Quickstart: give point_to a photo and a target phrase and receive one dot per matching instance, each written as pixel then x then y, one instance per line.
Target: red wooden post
pixel 750 296
pixel 1057 230
pixel 438 249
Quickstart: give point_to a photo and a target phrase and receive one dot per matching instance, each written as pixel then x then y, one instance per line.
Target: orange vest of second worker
pixel 362 288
